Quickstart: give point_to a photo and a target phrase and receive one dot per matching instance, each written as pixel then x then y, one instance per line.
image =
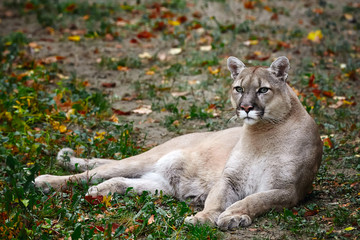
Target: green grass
pixel 43 108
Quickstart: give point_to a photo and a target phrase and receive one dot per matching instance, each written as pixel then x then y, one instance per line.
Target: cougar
pixel 268 162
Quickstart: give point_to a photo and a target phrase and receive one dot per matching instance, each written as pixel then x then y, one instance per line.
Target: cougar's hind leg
pixel 149 182
pixel 132 167
pixel 67 159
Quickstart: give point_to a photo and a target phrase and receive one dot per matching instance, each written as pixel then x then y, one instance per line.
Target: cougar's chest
pixel 251 166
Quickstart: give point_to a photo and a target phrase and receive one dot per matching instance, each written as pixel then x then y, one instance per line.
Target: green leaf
pixel 77 232
pixel 25 202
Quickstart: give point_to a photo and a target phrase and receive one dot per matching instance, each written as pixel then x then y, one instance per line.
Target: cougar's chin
pixel 248 118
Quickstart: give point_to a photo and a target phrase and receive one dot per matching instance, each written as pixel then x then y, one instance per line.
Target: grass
pixel 44 107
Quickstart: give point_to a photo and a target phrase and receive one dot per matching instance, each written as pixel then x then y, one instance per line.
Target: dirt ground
pixel 84 57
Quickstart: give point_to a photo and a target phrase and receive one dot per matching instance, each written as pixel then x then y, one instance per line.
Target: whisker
pixel 233 118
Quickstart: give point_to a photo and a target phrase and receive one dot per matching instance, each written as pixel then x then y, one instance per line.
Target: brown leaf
pixel 274 17
pixel 249 4
pixel 94 200
pixel 109 37
pixel 311 213
pixel 119 112
pixel 108 85
pixel 145 35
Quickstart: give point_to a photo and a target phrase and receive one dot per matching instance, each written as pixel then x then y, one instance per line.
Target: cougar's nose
pixel 246 108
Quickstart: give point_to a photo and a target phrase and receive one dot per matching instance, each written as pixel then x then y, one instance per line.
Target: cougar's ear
pixel 235 66
pixel 280 67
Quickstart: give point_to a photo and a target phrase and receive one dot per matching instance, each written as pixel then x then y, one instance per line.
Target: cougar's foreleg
pixel 242 212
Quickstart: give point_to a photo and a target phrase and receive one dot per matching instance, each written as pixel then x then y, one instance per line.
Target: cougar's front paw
pixel 228 221
pixel 202 218
pixel 95 191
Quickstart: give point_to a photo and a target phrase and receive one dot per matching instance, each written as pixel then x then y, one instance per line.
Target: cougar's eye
pixel 263 90
pixel 239 89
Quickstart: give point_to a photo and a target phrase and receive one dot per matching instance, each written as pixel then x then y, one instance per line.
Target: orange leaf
pixel 145 35
pixel 122 69
pixel 249 4
pixel 151 219
pixel 328 93
pixel 327 142
pixel 71 7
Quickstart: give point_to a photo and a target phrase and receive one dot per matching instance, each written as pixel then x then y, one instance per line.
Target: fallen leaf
pixel 122 68
pixel 144 109
pixel 174 23
pixel 159 26
pixel 251 42
pixel 108 85
pixel 349 228
pixel 114 227
pixel 205 48
pixel 311 213
pixel 274 17
pixel 318 10
pixel 119 112
pixel 214 71
pixel 182 19
pixel 69 113
pixel 106 200
pixel 179 94
pixel 150 72
pixel 249 4
pixel 94 200
pixel 34 45
pixel 151 219
pixel 74 38
pixel 114 119
pixel 349 17
pixel 145 55
pixel 175 51
pixel 131 228
pixel 134 41
pixel 109 37
pixel 315 36
pixel 327 142
pixel 144 35
pixel 62 128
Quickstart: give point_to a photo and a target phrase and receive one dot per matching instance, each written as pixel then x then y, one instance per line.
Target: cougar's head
pixel 260 94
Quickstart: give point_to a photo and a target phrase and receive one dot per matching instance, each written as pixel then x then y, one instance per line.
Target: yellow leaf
pixel 174 23
pixel 315 36
pixel 214 71
pixel 100 135
pixel 251 42
pixel 62 128
pixel 349 17
pixel 114 119
pixel 8 116
pixel 106 200
pixel 150 72
pixel 349 229
pixel 74 38
pixel 69 113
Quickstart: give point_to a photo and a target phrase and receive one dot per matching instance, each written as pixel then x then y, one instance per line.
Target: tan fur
pixel 239 173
